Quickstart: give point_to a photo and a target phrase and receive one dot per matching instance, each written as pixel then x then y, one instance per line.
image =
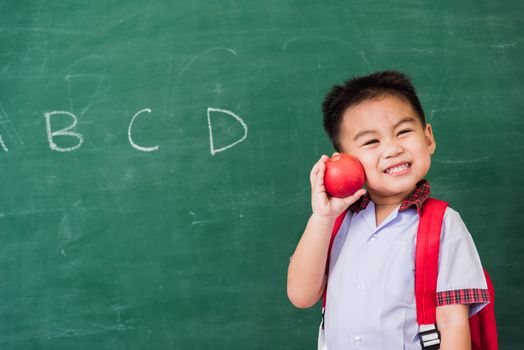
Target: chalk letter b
pixel 63 132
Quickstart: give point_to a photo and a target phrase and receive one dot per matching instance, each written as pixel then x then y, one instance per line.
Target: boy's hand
pixel 322 204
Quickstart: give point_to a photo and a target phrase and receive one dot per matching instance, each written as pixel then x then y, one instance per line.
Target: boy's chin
pixel 395 189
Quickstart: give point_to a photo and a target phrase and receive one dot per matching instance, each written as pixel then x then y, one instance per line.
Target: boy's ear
pixel 430 139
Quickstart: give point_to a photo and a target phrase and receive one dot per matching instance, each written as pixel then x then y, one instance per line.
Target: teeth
pixel 397 169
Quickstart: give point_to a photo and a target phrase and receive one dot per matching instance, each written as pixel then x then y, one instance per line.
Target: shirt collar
pixel 415 198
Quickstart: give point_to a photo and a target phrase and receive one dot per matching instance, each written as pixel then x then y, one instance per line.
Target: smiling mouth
pixel 397 169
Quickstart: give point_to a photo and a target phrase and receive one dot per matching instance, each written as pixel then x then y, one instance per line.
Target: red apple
pixel 344 175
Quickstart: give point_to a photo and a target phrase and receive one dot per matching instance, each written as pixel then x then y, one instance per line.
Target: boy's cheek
pixel 367 163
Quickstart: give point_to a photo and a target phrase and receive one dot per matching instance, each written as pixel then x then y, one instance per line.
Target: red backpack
pixel 483 326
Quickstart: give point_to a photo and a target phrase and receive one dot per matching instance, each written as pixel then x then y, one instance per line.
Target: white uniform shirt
pixel 371 290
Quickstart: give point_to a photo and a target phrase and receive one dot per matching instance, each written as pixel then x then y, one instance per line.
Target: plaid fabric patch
pixel 361 204
pixel 462 296
pixel 415 198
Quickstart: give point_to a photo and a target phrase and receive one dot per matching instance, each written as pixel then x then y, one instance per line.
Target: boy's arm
pixel 307 269
pixel 306 272
pixel 460 279
pixel 453 323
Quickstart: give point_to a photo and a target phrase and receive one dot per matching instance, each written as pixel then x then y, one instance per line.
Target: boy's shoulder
pixel 453 227
pixel 451 213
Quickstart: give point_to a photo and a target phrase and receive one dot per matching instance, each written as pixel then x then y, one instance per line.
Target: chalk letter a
pixel 2 144
pixel 224 111
pixel 63 132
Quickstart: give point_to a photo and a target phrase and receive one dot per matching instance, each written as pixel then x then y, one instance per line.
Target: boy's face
pixel 388 138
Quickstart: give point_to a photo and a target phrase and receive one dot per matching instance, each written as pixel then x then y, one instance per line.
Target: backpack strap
pixel 483 325
pixel 426 270
pixel 336 227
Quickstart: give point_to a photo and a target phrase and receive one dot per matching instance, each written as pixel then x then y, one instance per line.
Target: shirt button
pixel 361 287
pixel 357 340
pixel 373 239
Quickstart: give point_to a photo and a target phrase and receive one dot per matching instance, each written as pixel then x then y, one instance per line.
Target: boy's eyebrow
pixel 402 121
pixel 363 133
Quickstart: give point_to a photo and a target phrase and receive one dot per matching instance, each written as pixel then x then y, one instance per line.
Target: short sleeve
pixel 461 277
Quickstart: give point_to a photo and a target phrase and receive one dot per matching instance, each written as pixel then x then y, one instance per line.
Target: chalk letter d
pixel 224 111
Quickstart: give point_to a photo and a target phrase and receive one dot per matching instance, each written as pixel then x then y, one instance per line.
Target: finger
pixel 315 169
pixel 354 197
pixel 314 172
pixel 319 178
pixel 359 193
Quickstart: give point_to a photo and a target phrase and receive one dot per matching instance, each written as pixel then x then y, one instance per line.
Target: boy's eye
pixel 405 131
pixel 370 142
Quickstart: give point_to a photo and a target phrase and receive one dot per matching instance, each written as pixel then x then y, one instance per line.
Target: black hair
pixel 360 89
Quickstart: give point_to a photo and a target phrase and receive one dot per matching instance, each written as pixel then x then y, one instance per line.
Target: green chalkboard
pixel 155 158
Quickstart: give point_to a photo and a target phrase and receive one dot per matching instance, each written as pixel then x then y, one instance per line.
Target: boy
pixel 370 297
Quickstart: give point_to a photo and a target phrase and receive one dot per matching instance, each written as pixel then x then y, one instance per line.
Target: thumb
pixel 354 197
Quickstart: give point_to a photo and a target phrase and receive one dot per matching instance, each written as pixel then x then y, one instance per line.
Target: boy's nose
pixel 393 149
